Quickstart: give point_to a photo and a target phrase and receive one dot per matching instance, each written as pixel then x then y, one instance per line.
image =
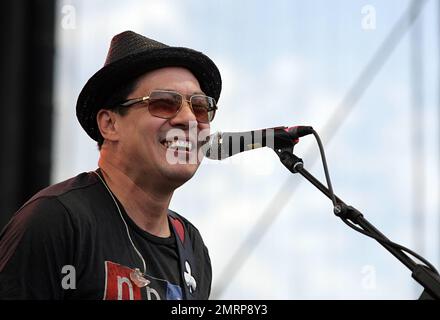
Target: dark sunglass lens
pixel 164 104
pixel 211 115
pixel 201 106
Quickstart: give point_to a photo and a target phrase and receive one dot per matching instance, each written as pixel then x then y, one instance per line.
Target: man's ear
pixel 106 120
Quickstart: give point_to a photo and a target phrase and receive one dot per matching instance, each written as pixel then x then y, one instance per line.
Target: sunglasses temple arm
pixel 133 101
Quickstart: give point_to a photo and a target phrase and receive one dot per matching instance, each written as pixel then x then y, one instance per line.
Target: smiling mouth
pixel 178 145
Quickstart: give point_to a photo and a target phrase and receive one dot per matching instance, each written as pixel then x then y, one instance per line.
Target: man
pixel 109 234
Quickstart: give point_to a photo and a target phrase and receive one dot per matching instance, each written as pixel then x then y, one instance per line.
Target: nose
pixel 184 117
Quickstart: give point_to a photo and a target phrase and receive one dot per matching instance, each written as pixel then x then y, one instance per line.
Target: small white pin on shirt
pixel 138 278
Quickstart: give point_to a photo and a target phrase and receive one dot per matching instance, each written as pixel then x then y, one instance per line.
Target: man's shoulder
pixel 76 184
pixel 68 196
pixel 45 218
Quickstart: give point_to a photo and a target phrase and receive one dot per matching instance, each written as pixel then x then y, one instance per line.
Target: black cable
pixel 390 243
pixel 380 239
pixel 324 163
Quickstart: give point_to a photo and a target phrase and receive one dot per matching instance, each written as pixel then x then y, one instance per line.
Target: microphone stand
pixel 421 273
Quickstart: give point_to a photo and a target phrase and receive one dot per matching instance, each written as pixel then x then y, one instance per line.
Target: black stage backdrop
pixel 26 90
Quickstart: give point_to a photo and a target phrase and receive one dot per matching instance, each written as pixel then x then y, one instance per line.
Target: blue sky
pixel 284 63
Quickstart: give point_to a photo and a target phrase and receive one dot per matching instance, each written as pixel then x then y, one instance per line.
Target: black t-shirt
pixel 70 242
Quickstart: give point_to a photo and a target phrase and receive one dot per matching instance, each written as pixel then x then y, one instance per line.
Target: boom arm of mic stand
pixel 423 275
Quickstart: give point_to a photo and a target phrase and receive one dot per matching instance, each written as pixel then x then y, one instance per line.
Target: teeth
pixel 179 144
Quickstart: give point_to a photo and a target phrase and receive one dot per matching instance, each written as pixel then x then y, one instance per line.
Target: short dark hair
pixel 113 102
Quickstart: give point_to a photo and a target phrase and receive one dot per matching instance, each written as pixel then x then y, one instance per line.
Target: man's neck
pixel 144 204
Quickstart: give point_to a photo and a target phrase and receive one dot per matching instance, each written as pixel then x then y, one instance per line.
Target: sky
pixel 287 63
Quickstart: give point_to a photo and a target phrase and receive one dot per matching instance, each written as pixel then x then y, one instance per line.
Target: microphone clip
pixel 293 163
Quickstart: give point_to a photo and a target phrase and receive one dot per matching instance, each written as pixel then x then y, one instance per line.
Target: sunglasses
pixel 166 104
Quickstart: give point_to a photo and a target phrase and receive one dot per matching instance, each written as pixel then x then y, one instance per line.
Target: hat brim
pixel 112 76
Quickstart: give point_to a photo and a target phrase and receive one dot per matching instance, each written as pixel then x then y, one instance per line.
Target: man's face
pixel 145 140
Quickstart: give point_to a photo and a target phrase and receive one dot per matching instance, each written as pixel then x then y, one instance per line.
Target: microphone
pixel 220 145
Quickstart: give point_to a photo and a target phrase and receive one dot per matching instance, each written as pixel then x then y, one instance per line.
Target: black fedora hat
pixel 131 55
